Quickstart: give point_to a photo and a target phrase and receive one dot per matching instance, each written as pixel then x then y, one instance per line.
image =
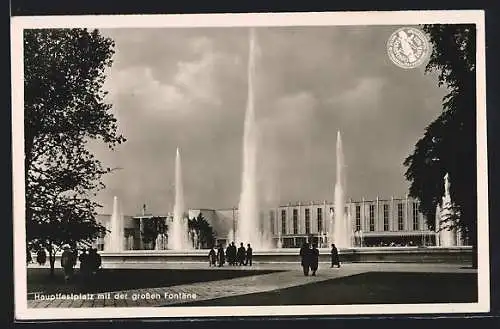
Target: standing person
pixel 67 262
pixel 314 259
pixel 29 259
pixel 41 256
pixel 221 256
pixel 84 263
pixel 229 255
pixel 335 256
pixel 304 258
pixel 241 255
pixel 94 261
pixel 248 260
pixel 212 258
pixel 232 249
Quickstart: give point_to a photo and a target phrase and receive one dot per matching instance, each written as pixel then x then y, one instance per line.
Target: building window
pixel 283 222
pixel 415 216
pixel 308 220
pixel 271 216
pixel 358 218
pixel 372 217
pixel 386 217
pixel 295 221
pixel 320 219
pixel 400 217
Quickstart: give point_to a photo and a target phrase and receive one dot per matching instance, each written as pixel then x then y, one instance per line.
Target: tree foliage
pixel 449 142
pixel 204 231
pixel 65 109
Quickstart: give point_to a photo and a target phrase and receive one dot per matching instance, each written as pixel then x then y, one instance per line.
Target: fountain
pixel 178 228
pixel 447 236
pixel 116 238
pixel 248 228
pixel 341 232
pixel 161 242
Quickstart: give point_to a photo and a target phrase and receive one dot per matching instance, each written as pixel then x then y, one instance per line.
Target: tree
pixel 151 227
pixel 449 142
pixel 204 232
pixel 64 106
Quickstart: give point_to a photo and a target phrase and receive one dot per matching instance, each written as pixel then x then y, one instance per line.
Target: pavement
pixel 291 276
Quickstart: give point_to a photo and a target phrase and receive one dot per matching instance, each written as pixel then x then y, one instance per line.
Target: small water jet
pixel 116 238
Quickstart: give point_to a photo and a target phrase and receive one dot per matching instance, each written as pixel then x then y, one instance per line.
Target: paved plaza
pixel 290 276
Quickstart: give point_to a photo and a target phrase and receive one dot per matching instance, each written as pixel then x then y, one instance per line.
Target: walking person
pixel 305 258
pixel 248 260
pixel 220 256
pixel 314 259
pixel 67 262
pixel 240 256
pixel 335 256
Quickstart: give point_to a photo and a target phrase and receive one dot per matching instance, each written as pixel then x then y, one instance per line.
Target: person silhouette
pixel 305 258
pixel 314 259
pixel 335 256
pixel 249 255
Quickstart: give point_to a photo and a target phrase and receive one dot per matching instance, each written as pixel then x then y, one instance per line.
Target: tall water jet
pixel 178 230
pixel 116 238
pixel 248 228
pixel 341 227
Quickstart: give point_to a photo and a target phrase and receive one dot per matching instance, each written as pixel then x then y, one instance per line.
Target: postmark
pixel 408 47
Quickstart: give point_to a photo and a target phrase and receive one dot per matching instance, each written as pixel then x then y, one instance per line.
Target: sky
pixel 187 88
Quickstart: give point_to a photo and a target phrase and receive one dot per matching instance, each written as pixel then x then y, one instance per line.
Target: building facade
pixel 375 222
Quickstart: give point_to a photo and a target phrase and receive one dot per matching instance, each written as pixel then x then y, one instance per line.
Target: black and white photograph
pixel 250 164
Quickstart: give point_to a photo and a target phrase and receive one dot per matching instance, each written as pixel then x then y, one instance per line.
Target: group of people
pixel 235 256
pixel 90 261
pixel 309 258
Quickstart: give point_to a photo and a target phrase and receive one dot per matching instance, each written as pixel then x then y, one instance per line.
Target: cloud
pixel 361 100
pixel 138 84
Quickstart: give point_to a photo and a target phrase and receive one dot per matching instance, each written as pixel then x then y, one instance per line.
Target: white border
pixel 240 20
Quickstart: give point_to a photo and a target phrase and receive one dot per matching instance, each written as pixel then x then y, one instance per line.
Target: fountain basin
pixel 462 254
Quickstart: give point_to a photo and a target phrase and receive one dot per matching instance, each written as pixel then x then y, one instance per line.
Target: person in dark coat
pixel 314 259
pixel 248 260
pixel 220 256
pixel 41 257
pixel 29 258
pixel 94 260
pixel 335 256
pixel 84 259
pixel 232 255
pixel 212 257
pixel 240 256
pixel 305 258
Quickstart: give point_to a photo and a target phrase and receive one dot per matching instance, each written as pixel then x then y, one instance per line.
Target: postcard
pixel 266 164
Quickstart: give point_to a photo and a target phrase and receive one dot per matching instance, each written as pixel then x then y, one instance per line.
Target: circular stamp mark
pixel 408 47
